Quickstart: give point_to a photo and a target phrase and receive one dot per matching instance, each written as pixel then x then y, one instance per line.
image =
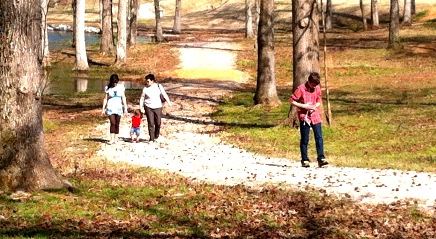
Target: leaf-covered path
pixel 190 147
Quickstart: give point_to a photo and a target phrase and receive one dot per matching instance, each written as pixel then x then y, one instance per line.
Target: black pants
pixel 115 123
pixel 154 120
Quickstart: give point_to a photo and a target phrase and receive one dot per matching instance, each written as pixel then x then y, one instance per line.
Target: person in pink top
pixel 307 97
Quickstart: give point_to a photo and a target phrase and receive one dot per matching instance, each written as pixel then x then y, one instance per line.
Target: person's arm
pixel 103 111
pixel 164 93
pixel 294 101
pixel 141 102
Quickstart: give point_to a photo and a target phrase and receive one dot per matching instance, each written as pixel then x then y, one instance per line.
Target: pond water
pixel 64 39
pixel 76 84
pixel 64 80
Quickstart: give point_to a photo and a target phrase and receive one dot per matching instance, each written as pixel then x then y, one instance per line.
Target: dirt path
pixel 191 148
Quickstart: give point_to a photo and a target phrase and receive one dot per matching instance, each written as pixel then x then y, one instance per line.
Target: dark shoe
pixel 305 164
pixel 322 163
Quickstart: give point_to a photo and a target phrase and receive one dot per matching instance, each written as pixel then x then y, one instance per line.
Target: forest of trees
pixel 24 164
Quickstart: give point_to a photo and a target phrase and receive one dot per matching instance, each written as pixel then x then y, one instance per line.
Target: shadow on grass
pixel 219 123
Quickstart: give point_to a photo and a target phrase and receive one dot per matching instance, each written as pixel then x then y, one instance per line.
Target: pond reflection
pixel 63 80
pixel 80 84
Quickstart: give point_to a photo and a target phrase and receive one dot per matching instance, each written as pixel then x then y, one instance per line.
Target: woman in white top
pixel 113 104
pixel 151 104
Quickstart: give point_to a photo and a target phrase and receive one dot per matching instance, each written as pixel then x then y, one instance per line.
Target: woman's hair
pixel 150 77
pixel 113 80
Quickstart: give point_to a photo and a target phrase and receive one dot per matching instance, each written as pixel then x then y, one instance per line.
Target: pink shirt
pixel 303 94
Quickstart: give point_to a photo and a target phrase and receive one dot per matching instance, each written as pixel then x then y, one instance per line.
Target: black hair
pixel 150 77
pixel 113 80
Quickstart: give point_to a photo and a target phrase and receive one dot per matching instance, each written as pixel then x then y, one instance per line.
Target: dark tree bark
pixel 266 92
pixel 132 36
pixel 73 6
pixel 413 7
pixel 362 11
pixel 24 163
pixel 394 25
pixel 159 31
pixel 177 27
pixel 107 37
pixel 374 14
pixel 305 28
pixel 249 33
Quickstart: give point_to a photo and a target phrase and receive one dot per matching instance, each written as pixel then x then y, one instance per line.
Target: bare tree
pixel 45 53
pixel 249 33
pixel 132 36
pixel 107 36
pixel 74 8
pixel 24 163
pixel 122 33
pixel 374 14
pixel 328 15
pixel 81 63
pixel 177 27
pixel 407 16
pixel 413 7
pixel 159 31
pixel 305 27
pixel 394 25
pixel 266 92
pixel 362 11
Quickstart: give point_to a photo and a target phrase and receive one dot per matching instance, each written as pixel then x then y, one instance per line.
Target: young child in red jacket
pixel 136 126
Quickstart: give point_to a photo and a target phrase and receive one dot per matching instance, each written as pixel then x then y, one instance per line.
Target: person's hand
pixel 103 113
pixel 309 106
pixel 142 110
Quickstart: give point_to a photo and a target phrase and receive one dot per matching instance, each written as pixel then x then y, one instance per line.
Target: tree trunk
pixel 328 15
pixel 100 12
pixel 159 31
pixel 266 92
pixel 81 63
pixel 122 33
pixel 413 7
pixel 305 27
pixel 45 53
pixel 249 33
pixel 256 25
pixel 374 14
pixel 24 163
pixel 394 25
pixel 362 11
pixel 132 37
pixel 407 16
pixel 177 27
pixel 107 37
pixel 74 8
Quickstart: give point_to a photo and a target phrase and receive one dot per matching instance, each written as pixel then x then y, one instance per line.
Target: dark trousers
pixel 154 120
pixel 115 123
pixel 304 140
